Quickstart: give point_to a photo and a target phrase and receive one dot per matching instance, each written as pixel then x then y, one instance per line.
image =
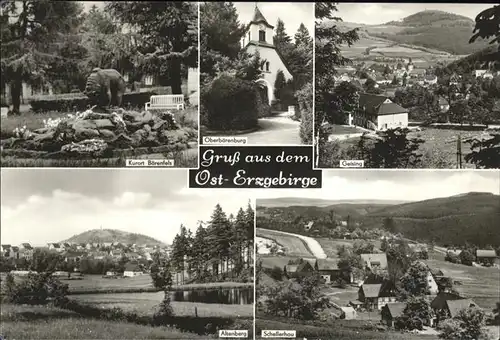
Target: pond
pixel 226 296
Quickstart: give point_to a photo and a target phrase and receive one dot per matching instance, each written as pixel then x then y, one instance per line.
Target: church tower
pixel 258 37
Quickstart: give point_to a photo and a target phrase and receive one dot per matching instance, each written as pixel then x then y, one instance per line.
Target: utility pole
pixel 459 152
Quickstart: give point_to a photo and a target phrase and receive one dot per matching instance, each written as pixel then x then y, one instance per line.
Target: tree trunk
pixel 175 76
pixel 15 92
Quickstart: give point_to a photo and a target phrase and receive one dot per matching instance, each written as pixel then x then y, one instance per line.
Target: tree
pixel 452 257
pixel 487 26
pixel 384 245
pixel 30 34
pixel 170 35
pixel 219 236
pixel 417 311
pixel 329 39
pixel 363 247
pixel 414 281
pixel 279 84
pixel 161 272
pixel 395 150
pixel 220 37
pixel 281 39
pixel 45 261
pixel 389 225
pixel 345 98
pixel 302 58
pixel 466 257
pixel 181 250
pixel 249 67
pixel 467 325
pixel 485 152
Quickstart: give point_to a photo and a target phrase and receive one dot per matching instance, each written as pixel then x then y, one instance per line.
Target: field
pixel 479 284
pixel 33 121
pixel 439 149
pixel 294 246
pixel 145 304
pixel 38 322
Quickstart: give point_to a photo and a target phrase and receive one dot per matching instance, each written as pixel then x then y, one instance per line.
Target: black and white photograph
pixel 374 255
pixel 99 84
pixel 407 85
pixel 256 73
pixel 123 254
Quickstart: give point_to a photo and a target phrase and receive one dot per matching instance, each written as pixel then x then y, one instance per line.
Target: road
pixel 313 245
pixel 276 130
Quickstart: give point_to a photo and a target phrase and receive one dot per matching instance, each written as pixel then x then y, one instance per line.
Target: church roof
pixel 258 17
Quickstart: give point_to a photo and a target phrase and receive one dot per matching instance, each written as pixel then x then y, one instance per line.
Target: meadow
pixel 294 246
pixel 146 303
pixel 43 322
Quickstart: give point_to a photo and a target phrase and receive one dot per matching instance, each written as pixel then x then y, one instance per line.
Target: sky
pixel 292 14
pixel 50 205
pixel 371 13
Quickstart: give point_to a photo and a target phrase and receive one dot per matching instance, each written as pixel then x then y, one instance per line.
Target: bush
pixel 276 273
pixel 262 106
pixel 230 104
pixel 130 100
pixel 466 258
pixel 453 258
pixel 305 99
pixel 36 289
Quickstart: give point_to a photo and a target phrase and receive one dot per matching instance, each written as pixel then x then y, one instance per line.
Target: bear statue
pixel 105 87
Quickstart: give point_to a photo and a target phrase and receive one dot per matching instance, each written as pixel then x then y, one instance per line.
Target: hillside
pixel 473 217
pixel 113 235
pixel 316 202
pixel 473 61
pixel 431 29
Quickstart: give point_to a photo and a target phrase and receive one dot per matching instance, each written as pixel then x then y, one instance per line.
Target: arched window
pixel 267 66
pixel 262 35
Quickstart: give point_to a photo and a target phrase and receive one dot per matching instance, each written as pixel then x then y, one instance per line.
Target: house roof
pixel 390 109
pixel 27 245
pixel 396 309
pixel 132 267
pixel 430 77
pixel 485 253
pixel 454 251
pixel 369 100
pixel 418 71
pixel 15 248
pixel 291 268
pixel 370 258
pixel 455 306
pixel 258 17
pixel 371 290
pixel 327 264
pixel 443 101
pixel 6 246
pixel 439 302
pixel 304 266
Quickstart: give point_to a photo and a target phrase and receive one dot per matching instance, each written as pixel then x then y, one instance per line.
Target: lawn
pixel 145 304
pixel 294 246
pixel 40 322
pixel 480 284
pixel 185 158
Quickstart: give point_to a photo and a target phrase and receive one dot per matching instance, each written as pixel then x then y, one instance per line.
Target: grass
pixel 40 322
pixel 330 246
pixel 340 329
pixel 439 151
pixel 478 283
pixel 294 246
pixel 145 304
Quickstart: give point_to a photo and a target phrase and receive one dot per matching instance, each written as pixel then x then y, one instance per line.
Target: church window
pixel 262 35
pixel 267 66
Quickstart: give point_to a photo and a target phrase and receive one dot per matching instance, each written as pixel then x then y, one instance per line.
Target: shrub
pixel 164 310
pixel 453 258
pixel 466 258
pixel 262 106
pixel 305 99
pixel 36 289
pixel 466 325
pixel 131 100
pixel 230 104
pixel 276 273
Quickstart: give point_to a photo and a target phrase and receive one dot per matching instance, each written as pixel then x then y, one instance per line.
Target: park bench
pixel 166 101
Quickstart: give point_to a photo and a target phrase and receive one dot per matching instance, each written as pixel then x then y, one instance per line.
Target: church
pixel 258 37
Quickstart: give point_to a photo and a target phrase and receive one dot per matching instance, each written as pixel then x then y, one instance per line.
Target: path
pixel 313 245
pixel 277 130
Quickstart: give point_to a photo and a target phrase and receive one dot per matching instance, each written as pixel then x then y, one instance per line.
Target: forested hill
pixel 112 235
pixel 471 217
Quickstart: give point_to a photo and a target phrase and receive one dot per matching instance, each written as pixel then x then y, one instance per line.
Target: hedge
pixel 132 99
pixel 305 99
pixel 229 103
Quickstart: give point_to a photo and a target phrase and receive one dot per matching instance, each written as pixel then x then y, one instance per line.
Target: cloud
pixel 132 200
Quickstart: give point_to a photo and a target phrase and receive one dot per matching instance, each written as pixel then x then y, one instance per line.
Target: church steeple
pixel 258 17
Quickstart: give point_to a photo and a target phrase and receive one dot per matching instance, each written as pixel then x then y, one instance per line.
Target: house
pixel 116 254
pixel 74 256
pixel 55 246
pixel 391 311
pixel 444 105
pixel 258 37
pixel 381 80
pixel 6 251
pixel 375 296
pixel 417 73
pixel 107 244
pixel 349 313
pixel 308 226
pixel 430 79
pixel 26 251
pixel 439 303
pixel 456 252
pixel 380 111
pixel 329 271
pixel 98 255
pixel 304 268
pixel 482 74
pixel 373 261
pixel 453 307
pixel 432 285
pixel 132 269
pixel 132 256
pixel 486 256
